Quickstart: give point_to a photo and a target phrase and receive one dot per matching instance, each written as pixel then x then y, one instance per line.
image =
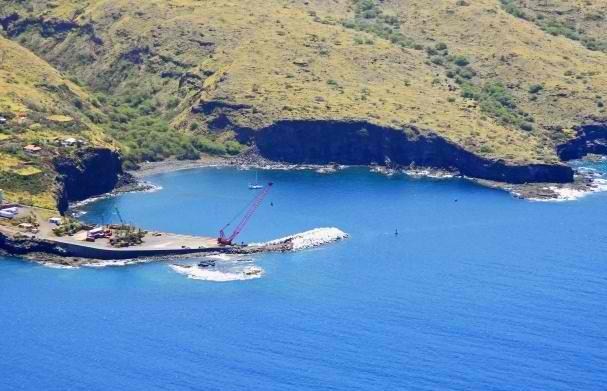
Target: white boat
pixel 256 185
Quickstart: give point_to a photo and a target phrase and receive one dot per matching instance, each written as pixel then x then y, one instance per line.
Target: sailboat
pixel 256 185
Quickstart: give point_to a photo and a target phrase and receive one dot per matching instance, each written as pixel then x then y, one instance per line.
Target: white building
pixel 69 142
pixel 6 214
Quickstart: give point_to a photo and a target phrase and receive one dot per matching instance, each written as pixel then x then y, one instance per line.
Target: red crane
pixel 252 207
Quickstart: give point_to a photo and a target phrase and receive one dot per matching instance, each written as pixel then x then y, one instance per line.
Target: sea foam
pixel 219 275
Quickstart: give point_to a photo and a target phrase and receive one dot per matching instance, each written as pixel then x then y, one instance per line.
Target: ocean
pixel 479 290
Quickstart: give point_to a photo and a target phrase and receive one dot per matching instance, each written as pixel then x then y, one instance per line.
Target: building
pixel 31 148
pixel 8 213
pixel 69 142
pixel 55 220
pixel 72 142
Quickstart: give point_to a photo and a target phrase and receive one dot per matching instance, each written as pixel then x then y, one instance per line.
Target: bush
pixel 369 17
pixel 172 103
pixel 188 152
pixel 440 46
pixel 494 100
pixel 431 51
pixel 461 61
pixel 233 148
pixel 526 126
pixel 513 9
pixel 535 88
pixel 466 72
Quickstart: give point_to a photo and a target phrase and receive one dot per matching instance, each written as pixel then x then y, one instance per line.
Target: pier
pixel 31 230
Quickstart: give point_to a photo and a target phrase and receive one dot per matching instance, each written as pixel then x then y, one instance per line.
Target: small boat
pixel 206 263
pixel 256 185
pixel 253 271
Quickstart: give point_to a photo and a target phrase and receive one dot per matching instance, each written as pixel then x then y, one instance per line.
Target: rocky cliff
pixel 590 139
pixel 90 172
pixel 361 143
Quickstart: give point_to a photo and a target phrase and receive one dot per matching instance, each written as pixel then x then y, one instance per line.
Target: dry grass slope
pixel 497 84
pixel 39 105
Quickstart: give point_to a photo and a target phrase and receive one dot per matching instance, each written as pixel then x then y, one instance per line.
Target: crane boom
pixel 119 216
pixel 223 240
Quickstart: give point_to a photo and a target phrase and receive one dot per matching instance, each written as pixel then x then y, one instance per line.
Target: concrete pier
pixel 14 239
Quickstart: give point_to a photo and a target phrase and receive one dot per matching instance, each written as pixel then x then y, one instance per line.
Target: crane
pixel 119 216
pixel 252 207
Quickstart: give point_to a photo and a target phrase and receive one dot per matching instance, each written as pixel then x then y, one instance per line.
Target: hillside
pixel 489 87
pixel 41 108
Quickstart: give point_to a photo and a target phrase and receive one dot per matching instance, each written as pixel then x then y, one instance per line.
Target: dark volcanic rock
pixel 92 172
pixel 360 143
pixel 590 138
pixel 24 245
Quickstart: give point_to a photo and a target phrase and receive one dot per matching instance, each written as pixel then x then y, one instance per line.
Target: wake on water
pixel 233 269
pixel 225 274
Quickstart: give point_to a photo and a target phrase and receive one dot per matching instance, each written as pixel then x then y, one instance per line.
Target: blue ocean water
pixel 479 291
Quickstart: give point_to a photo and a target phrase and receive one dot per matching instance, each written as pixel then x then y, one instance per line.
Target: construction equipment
pixel 119 216
pixel 98 233
pixel 250 210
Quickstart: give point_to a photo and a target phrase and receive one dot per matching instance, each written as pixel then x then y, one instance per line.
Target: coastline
pixel 171 165
pixel 585 182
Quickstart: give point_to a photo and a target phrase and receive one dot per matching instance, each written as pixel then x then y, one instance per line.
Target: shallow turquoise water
pixel 486 292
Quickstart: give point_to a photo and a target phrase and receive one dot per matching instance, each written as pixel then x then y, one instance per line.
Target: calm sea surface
pixel 479 291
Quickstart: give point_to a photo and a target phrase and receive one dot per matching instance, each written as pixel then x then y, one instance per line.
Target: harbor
pixel 30 231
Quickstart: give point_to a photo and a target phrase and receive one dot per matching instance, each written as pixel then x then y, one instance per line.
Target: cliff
pixel 88 173
pixel 502 101
pixel 589 139
pixel 360 143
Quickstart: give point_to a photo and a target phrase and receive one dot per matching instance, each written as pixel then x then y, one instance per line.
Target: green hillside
pixel 504 79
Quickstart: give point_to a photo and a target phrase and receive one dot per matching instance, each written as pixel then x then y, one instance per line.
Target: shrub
pixel 431 51
pixel 369 17
pixel 461 61
pixel 233 148
pixel 513 9
pixel 535 88
pixel 172 103
pixel 526 126
pixel 494 100
pixel 440 46
pixel 466 72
